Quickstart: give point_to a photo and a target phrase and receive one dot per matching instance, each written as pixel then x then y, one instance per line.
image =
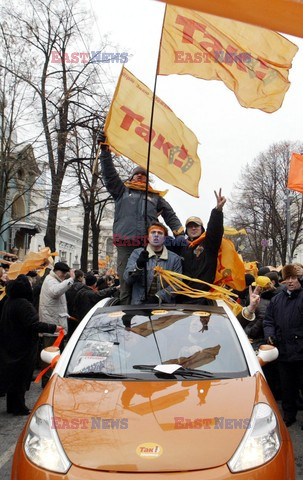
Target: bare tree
pixel 48 28
pixel 259 201
pixel 93 193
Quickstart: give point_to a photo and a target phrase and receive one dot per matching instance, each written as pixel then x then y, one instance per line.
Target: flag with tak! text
pixel 173 156
pixel 252 62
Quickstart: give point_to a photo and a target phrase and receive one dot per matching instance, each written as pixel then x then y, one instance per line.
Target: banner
pixel 252 62
pixel 280 15
pixel 230 267
pixel 173 156
pixel 295 175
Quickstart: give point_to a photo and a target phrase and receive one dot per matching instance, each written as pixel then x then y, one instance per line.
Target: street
pixel 11 426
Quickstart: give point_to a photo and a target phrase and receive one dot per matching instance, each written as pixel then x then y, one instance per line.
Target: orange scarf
pixel 142 187
pixel 197 241
pixel 230 267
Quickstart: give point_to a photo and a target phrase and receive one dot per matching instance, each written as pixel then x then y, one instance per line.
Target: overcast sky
pixel 229 135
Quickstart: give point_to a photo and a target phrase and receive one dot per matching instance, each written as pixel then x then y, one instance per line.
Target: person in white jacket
pixel 52 305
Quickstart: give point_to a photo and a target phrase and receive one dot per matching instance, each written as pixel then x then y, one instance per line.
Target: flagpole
pixel 149 147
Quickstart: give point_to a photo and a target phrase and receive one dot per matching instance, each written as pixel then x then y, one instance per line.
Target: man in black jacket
pixel 72 321
pixel 201 254
pixel 129 225
pixel 88 296
pixel 283 327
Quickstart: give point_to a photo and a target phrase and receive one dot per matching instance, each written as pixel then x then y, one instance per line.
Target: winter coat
pixel 52 306
pixel 284 321
pixel 130 205
pixel 86 298
pixel 71 297
pixel 254 329
pixel 201 261
pixel 19 328
pixel 168 261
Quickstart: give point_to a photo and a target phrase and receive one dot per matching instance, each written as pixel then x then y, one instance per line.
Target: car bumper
pixel 281 467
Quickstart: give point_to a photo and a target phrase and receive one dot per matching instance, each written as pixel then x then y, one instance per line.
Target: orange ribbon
pixel 52 365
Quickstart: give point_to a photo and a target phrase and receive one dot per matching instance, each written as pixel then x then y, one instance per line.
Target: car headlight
pixel 261 441
pixel 42 445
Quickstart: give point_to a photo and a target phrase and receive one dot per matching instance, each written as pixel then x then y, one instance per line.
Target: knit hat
pixel 138 170
pixel 289 271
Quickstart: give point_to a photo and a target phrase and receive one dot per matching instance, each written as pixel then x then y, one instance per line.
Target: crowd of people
pixel 272 302
pixel 33 311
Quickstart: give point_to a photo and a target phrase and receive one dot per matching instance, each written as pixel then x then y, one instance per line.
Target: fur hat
pixel 289 271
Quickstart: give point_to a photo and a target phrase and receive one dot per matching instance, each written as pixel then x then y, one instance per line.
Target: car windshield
pixel 130 343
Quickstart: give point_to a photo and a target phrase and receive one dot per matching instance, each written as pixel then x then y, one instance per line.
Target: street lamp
pixel 288 200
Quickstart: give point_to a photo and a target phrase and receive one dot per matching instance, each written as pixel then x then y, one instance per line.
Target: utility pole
pixel 288 240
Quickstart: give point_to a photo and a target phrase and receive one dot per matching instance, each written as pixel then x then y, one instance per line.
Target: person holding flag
pixel 129 229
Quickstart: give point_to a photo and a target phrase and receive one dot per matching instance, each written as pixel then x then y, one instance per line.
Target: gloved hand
pixel 142 259
pixel 272 341
pixel 180 241
pixel 152 299
pixel 101 139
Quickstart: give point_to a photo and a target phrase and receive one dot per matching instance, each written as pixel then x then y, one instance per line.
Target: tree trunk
pixel 95 237
pixel 50 235
pixel 84 249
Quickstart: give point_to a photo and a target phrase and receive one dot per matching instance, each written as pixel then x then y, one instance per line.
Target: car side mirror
pixel 50 355
pixel 267 353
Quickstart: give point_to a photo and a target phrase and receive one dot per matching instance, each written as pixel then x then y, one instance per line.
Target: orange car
pixel 143 393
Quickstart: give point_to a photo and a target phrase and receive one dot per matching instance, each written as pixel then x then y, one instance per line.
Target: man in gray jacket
pixel 156 254
pixel 129 225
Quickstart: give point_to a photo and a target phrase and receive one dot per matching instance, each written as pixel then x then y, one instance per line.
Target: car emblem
pixel 149 450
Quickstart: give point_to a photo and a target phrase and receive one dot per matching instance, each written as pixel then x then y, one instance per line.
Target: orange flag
pixel 252 62
pixel 173 156
pixel 295 175
pixel 230 267
pixel 252 268
pixel 279 15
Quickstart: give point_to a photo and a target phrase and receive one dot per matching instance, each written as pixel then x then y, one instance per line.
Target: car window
pixel 115 342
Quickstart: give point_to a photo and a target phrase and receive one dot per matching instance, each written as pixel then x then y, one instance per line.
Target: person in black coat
pixel 201 254
pixel 88 296
pixel 19 328
pixel 72 320
pixel 283 327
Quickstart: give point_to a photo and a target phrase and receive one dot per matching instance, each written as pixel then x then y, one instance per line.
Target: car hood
pixel 152 426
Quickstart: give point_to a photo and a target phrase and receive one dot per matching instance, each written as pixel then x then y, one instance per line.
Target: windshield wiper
pixel 101 375
pixel 183 371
